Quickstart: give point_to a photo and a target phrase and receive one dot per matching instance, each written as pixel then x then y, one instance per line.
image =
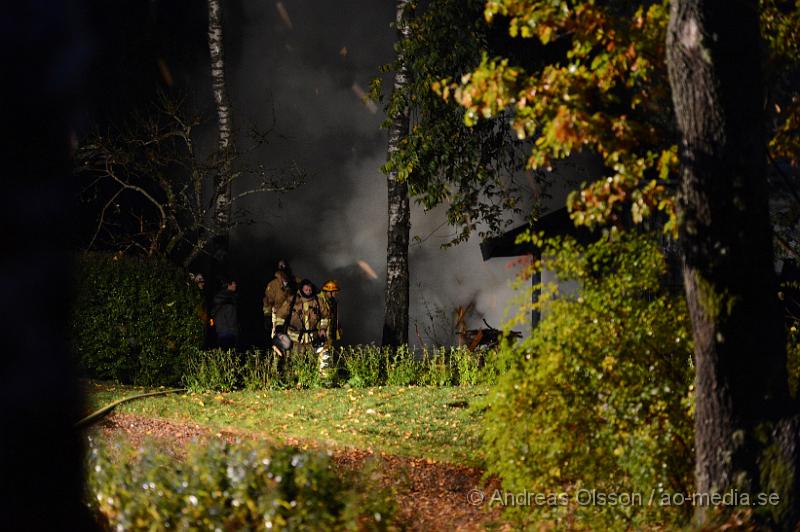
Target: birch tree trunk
pixel 746 424
pixel 222 181
pixel 395 323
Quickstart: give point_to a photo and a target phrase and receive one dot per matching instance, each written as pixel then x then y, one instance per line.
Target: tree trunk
pixel 222 185
pixel 395 323
pixel 745 429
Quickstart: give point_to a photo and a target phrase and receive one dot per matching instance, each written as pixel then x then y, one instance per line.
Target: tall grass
pixel 261 371
pixel 356 366
pixel 212 370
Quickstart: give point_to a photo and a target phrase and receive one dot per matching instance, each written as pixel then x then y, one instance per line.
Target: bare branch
pixel 101 221
pixel 154 156
pixel 140 190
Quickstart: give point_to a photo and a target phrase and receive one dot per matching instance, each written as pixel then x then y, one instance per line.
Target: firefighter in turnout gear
pixel 329 290
pixel 328 353
pixel 303 317
pixel 277 292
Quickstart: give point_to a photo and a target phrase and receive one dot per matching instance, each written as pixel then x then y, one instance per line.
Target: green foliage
pixel 468 365
pixel 415 421
pixel 438 366
pixel 216 369
pixel 365 364
pixel 358 366
pixel 260 371
pixel 302 369
pixel 444 161
pixel 438 369
pixel 224 371
pixel 597 396
pixel 134 320
pixel 404 369
pixel 218 486
pixel 780 27
pixel 604 87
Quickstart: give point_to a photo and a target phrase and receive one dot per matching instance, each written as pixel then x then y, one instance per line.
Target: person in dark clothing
pixel 226 321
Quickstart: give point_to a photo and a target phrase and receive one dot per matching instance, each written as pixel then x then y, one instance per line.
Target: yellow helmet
pixel 330 286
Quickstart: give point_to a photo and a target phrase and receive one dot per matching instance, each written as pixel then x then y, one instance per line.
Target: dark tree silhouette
pixel 746 423
pixel 40 453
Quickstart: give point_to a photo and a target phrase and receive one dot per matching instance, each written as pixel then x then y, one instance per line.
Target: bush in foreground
pixel 220 486
pixel 598 397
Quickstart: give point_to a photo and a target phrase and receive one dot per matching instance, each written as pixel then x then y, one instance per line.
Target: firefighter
pixel 328 355
pixel 278 290
pixel 303 317
pixel 329 290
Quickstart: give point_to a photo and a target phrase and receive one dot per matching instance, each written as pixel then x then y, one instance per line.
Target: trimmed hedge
pixel 240 486
pixel 134 319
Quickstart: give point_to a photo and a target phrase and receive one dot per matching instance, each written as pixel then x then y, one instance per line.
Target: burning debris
pixel 488 337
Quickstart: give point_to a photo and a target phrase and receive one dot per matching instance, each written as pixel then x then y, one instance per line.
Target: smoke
pixel 445 279
pixel 334 226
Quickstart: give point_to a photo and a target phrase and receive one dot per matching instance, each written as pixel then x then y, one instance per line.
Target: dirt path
pixel 430 495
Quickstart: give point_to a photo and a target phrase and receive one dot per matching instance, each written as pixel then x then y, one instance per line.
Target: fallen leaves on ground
pixel 430 495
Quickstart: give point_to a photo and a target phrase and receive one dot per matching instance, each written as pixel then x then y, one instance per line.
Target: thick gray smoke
pixel 310 59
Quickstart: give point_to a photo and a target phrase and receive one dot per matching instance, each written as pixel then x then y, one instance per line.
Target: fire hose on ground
pixel 323 351
pixel 101 413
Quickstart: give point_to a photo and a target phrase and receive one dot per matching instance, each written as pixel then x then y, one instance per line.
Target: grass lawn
pixel 436 423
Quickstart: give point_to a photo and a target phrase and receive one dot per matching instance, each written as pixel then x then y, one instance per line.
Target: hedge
pixel 134 319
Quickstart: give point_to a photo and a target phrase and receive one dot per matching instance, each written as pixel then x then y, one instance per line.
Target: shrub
pixel 489 365
pixel 403 369
pixel 216 370
pixel 357 366
pixel 302 369
pixel 365 364
pixel 260 371
pixel 224 371
pixel 134 320
pixel 220 486
pixel 467 365
pixel 437 369
pixel 597 396
pixel 789 294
